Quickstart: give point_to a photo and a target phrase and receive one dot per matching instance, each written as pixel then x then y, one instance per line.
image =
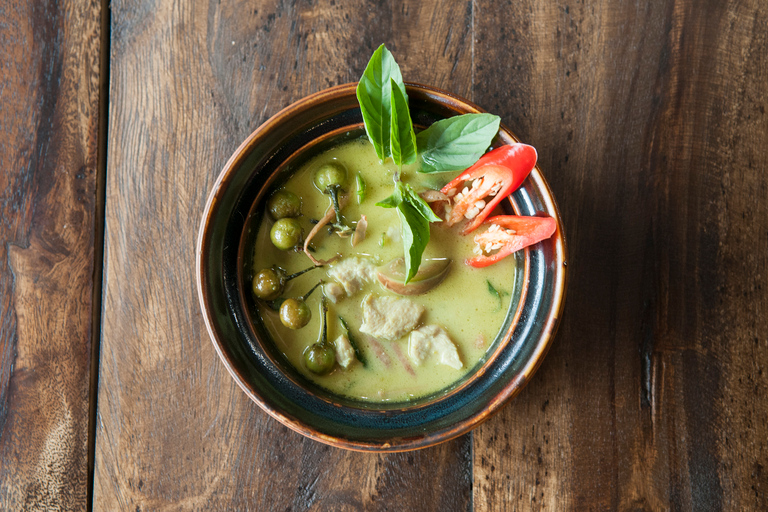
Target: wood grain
pixel 49 92
pixel 189 81
pixel 651 128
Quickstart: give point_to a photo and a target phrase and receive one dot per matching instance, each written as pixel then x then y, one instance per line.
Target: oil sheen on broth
pixel 464 304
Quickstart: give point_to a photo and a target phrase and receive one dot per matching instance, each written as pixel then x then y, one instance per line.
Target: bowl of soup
pixel 414 363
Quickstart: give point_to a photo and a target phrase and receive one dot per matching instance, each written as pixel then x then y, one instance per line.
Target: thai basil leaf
pixel 392 201
pixel 374 93
pixel 403 138
pixel 415 234
pixel 418 203
pixel 395 199
pixel 415 216
pixel 456 143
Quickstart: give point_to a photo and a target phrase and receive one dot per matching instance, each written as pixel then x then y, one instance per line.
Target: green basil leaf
pixel 389 202
pixel 394 200
pixel 415 216
pixel 415 234
pixel 456 143
pixel 403 138
pixel 374 93
pixel 420 204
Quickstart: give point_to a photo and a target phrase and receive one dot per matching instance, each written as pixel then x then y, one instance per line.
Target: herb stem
pixel 324 309
pixel 297 274
pixel 334 192
pixel 306 295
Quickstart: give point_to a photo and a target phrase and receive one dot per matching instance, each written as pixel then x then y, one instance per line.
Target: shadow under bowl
pixel 223 257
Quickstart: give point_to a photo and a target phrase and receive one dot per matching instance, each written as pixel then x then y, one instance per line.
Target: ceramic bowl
pixel 223 271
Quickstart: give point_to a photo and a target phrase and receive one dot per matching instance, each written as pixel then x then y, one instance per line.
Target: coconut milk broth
pixel 462 304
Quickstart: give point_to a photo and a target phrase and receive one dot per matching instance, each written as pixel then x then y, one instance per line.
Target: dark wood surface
pixel 49 132
pixel 649 119
pixel 650 122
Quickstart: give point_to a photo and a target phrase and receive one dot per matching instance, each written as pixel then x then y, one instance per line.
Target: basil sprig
pixel 415 216
pixel 448 145
pixel 374 93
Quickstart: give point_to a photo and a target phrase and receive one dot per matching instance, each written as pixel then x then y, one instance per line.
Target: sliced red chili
pixel 510 234
pixel 497 174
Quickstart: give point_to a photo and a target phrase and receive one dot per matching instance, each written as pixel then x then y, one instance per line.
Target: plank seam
pixel 98 242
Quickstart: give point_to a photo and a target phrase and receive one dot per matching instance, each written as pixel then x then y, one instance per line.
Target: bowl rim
pixel 512 388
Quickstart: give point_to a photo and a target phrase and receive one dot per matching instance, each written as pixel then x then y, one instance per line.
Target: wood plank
pixel 651 128
pixel 49 92
pixel 189 82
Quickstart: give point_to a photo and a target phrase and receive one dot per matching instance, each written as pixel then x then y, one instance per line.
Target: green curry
pixel 470 304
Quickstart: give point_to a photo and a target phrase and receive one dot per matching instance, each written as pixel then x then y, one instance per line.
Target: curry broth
pixel 462 304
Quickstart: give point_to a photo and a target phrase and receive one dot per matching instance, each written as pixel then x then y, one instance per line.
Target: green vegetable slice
pixel 358 353
pixel 361 188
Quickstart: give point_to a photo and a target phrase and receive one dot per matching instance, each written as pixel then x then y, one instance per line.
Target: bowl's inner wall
pixel 256 370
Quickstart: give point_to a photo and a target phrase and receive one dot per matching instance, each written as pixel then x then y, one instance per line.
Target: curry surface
pixel 464 303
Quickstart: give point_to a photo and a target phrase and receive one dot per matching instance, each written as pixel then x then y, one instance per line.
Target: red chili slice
pixel 500 172
pixel 511 234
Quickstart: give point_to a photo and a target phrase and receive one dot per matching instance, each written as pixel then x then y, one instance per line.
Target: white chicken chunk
pixel 389 318
pixel 334 291
pixel 352 274
pixel 345 354
pixel 432 340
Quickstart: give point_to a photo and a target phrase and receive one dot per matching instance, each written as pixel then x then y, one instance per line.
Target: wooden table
pixel 650 122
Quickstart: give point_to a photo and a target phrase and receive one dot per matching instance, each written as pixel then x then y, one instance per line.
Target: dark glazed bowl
pixel 290 137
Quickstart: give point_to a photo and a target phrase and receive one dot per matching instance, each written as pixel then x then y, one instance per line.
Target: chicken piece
pixel 345 354
pixel 432 340
pixel 389 318
pixel 334 291
pixel 352 274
